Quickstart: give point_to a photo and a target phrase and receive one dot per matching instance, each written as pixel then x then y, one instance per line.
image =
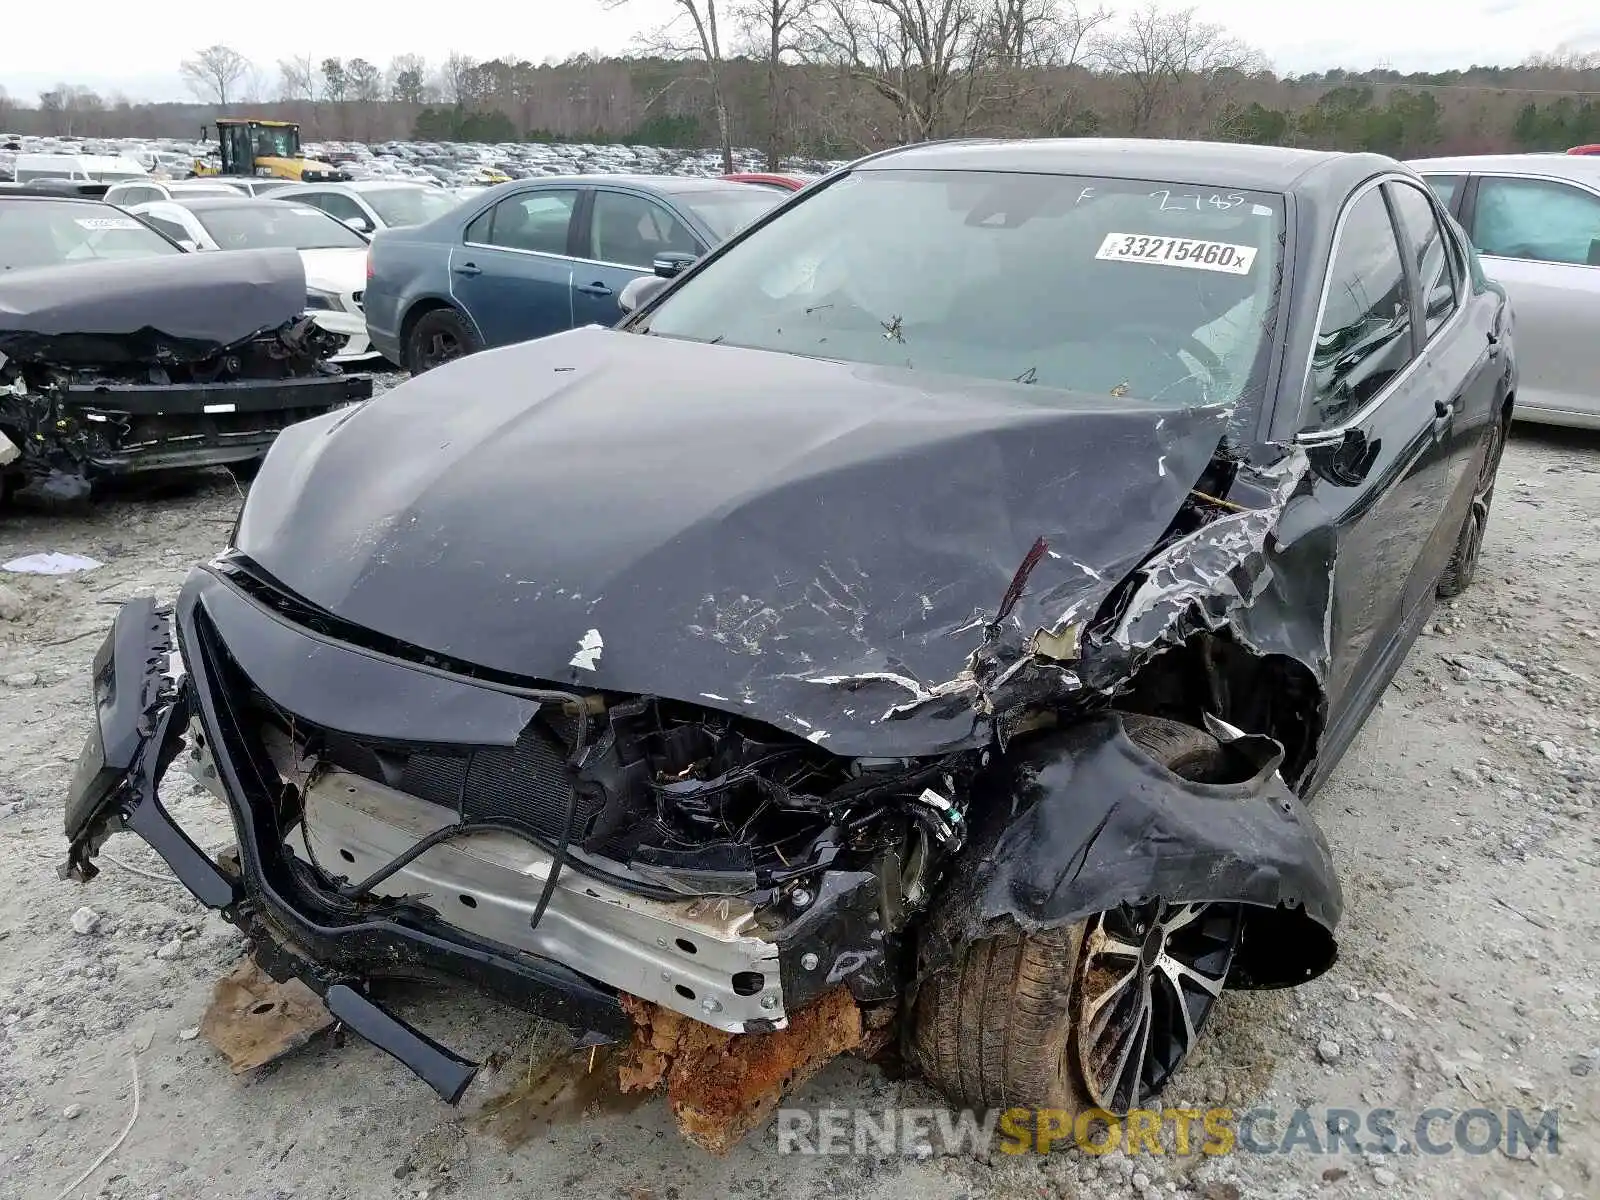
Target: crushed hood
pixel 175 308
pixel 814 544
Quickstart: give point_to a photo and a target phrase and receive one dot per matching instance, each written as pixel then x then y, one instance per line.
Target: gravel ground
pixel 1462 822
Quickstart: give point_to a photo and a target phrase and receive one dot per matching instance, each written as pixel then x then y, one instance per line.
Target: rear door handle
pixel 1443 410
pixel 1494 345
pixel 469 269
pixel 595 289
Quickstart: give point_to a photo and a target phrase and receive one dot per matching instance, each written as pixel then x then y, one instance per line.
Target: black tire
pixel 1463 564
pixel 440 335
pixel 1000 1026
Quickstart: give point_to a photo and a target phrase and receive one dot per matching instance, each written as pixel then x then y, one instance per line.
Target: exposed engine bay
pixel 702 848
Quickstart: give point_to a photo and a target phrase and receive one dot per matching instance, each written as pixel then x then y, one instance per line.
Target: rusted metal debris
pixel 720 1085
pixel 253 1020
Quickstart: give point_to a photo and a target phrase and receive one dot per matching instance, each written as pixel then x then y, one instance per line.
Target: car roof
pixel 208 203
pixel 665 184
pixel 1567 166
pixel 1220 164
pixel 59 197
pixel 356 185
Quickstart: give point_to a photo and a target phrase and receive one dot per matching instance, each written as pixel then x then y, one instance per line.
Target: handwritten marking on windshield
pixel 1194 202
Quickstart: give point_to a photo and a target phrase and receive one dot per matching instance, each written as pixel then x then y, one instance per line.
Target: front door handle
pixel 469 269
pixel 595 289
pixel 1494 345
pixel 1443 410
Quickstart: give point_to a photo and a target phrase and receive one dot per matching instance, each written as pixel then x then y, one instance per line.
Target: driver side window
pixel 631 230
pixel 1364 337
pixel 1538 219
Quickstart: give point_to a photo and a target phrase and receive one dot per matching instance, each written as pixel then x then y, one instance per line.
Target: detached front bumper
pixel 141 427
pixel 297 928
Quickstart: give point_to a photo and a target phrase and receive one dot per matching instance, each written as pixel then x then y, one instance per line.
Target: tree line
pixel 836 78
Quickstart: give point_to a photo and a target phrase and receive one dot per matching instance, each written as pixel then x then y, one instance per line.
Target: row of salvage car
pixel 136 400
pixel 926 614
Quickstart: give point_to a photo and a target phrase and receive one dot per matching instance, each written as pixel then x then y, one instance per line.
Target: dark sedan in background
pixel 119 352
pixel 524 260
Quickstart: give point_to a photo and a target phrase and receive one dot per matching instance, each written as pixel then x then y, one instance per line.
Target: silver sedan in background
pixel 1535 219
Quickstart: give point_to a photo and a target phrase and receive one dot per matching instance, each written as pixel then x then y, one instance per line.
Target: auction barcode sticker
pixel 1177 252
pixel 106 223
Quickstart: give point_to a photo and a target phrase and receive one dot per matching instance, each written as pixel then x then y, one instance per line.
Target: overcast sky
pixel 109 46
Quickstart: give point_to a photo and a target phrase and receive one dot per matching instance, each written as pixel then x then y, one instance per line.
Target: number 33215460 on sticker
pixel 1166 251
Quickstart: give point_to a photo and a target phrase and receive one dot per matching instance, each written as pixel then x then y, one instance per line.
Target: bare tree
pixel 701 39
pixel 365 80
pixel 1034 34
pixel 1564 57
pixel 458 79
pixel 922 56
pixel 774 30
pixel 335 83
pixel 1039 49
pixel 71 109
pixel 298 78
pixel 408 79
pixel 252 88
pixel 1157 52
pixel 214 73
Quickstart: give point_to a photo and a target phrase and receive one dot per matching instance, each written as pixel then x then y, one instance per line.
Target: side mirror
pixel 359 224
pixel 639 291
pixel 1343 458
pixel 670 263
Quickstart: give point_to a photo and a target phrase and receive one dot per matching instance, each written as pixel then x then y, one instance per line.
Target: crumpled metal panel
pixel 173 309
pixel 1233 573
pixel 1083 820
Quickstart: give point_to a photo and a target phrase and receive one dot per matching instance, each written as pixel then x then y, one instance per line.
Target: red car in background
pixel 1592 148
pixel 787 183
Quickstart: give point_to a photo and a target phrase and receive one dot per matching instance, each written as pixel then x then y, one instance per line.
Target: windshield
pixel 38 233
pixel 274 223
pixel 1111 286
pixel 409 206
pixel 727 211
pixel 276 141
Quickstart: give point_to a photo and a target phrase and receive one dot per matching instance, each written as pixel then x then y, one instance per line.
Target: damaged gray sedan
pixel 121 353
pixel 939 603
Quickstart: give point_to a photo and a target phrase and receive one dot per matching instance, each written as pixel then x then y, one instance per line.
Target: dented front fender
pixel 1082 820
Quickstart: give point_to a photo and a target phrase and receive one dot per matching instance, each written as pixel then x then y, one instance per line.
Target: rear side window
pixel 536 221
pixel 171 228
pixel 1446 187
pixel 128 196
pixel 1428 248
pixel 1364 337
pixel 1538 219
pixel 341 207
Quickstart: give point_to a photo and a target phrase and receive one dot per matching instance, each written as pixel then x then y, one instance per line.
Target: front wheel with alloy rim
pixel 439 336
pixel 1099 1014
pixel 1463 563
